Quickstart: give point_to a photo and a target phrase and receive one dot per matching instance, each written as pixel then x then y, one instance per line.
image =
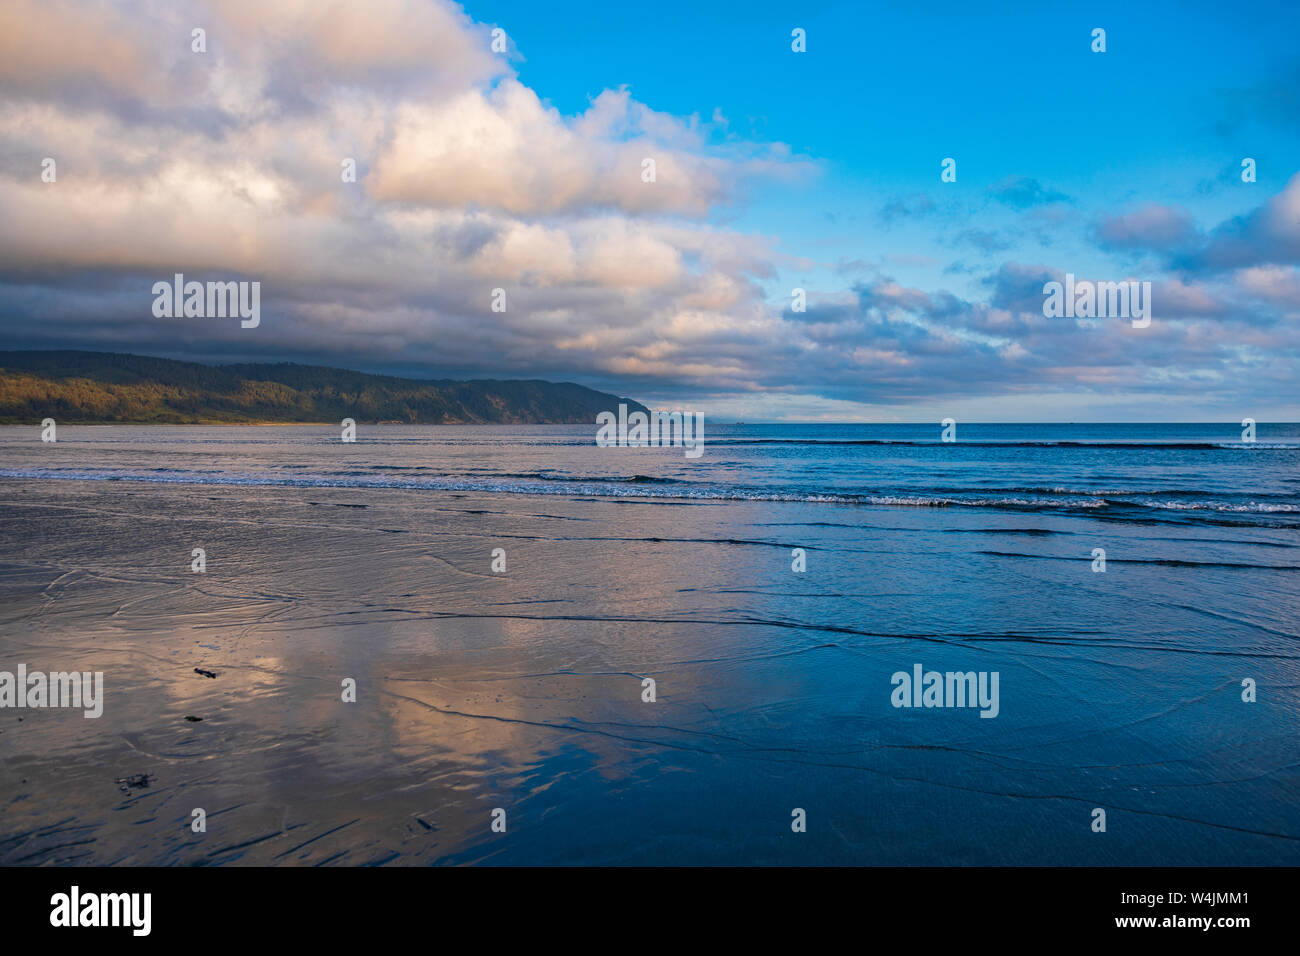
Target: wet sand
pixel 523 690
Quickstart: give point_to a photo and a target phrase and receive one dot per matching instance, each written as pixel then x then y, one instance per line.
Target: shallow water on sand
pixel 523 690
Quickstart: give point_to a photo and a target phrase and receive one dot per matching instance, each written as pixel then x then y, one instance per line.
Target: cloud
pixel 1271 101
pixel 1272 283
pixel 226 165
pixel 1153 227
pixel 504 149
pixel 985 240
pixel 1022 192
pixel 915 206
pixel 1269 235
pixel 1016 287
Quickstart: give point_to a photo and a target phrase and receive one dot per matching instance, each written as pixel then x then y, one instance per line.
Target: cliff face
pixel 105 387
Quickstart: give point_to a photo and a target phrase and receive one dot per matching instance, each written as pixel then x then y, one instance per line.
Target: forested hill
pixel 103 387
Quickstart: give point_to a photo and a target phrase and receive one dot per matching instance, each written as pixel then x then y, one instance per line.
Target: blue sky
pixel 886 91
pixel 817 170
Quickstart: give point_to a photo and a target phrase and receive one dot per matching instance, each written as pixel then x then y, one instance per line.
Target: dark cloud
pixel 1022 192
pixel 916 206
pixel 1019 288
pixel 1274 101
pixel 985 240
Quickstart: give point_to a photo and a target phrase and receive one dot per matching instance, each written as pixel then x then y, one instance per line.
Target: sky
pixel 516 161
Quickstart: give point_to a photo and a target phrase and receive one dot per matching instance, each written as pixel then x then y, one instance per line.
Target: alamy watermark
pixel 656 430
pixel 1084 299
pixel 923 688
pixel 129 910
pixel 215 300
pixel 36 689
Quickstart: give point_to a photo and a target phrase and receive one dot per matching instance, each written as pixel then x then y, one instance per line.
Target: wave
pixel 1015 442
pixel 1161 562
pixel 644 486
pixel 1249 507
pixel 1109 493
pixel 617 479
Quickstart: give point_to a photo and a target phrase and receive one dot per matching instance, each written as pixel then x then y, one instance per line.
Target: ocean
pixel 565 654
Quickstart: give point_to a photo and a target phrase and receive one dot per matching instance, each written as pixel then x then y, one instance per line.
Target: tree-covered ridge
pixel 103 387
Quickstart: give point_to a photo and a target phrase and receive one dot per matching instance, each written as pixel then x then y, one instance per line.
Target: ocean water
pixel 1125 470
pixel 523 691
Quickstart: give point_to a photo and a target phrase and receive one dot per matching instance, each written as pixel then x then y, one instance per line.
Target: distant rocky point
pixel 75 387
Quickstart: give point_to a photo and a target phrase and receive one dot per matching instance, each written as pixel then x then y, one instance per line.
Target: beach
pixel 524 690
